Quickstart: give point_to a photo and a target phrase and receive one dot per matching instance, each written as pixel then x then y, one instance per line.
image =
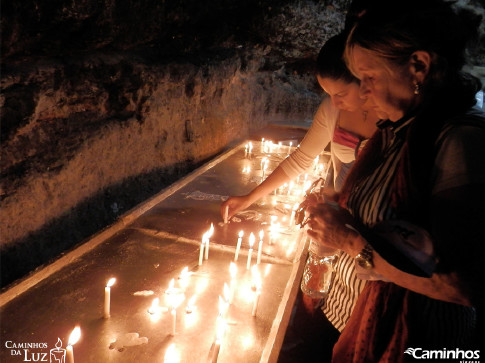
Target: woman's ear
pixel 420 64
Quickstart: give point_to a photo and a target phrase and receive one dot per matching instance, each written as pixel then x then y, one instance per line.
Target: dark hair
pixel 330 62
pixel 396 29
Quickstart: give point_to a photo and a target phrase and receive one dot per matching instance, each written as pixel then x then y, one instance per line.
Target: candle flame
pixel 233 270
pixel 251 240
pixel 211 231
pixel 171 284
pixel 261 234
pixel 75 335
pixel 111 282
pixel 241 233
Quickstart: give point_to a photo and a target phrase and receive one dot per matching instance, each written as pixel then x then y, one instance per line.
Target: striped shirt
pixel 369 202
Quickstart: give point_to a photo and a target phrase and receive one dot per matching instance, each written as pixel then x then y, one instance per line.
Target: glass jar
pixel 318 273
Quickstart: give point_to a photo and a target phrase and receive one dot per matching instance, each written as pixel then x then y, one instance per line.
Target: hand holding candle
pixel 73 339
pixel 107 297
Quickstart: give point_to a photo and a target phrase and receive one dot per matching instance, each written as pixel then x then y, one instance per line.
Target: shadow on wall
pixel 21 257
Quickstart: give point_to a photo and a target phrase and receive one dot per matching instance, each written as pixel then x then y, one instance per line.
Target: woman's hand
pixel 331 225
pixel 235 205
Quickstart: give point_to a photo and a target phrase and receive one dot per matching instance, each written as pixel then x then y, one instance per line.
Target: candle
pixel 201 251
pixel 289 147
pixel 251 243
pixel 233 272
pixel 208 236
pixel 73 339
pixel 190 305
pixel 260 247
pixel 292 217
pixel 173 313
pixel 238 247
pixel 107 297
pixel 226 214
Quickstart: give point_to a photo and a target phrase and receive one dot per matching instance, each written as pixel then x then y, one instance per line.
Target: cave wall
pixel 105 103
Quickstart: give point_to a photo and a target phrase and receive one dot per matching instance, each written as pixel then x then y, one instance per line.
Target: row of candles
pixel 175 296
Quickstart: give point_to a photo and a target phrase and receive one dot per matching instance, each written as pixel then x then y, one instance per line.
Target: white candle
pixel 73 339
pixel 201 252
pixel 226 214
pixel 260 247
pixel 292 217
pixel 107 297
pixel 233 272
pixel 208 236
pixel 251 243
pixel 173 313
pixel 238 247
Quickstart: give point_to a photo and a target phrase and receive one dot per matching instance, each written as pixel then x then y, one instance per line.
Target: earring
pixel 416 88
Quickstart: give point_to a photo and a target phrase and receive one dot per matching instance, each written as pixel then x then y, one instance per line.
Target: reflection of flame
pixel 75 335
pixel 59 343
pixel 111 282
pixel 171 355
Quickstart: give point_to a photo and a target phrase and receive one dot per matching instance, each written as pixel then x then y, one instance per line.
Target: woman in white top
pixel 344 121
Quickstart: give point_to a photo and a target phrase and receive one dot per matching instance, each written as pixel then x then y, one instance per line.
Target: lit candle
pixel 233 272
pixel 73 339
pixel 190 305
pixel 238 247
pixel 226 214
pixel 257 287
pixel 251 243
pixel 107 297
pixel 184 278
pixel 260 247
pixel 289 147
pixel 292 217
pixel 173 313
pixel 201 251
pixel 209 234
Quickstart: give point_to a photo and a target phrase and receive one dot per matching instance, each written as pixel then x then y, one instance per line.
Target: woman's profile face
pixel 389 89
pixel 344 95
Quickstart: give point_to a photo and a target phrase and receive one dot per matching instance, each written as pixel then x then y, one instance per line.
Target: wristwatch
pixel 365 257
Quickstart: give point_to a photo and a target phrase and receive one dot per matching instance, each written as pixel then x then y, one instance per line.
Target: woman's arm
pixel 329 226
pixel 314 142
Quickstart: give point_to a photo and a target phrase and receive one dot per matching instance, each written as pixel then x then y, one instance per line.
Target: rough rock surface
pixel 104 103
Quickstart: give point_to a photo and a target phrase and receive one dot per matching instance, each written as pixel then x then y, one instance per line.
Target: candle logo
pixel 58 354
